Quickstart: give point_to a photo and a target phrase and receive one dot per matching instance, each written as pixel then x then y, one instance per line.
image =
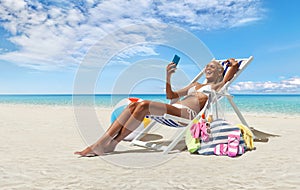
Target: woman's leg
pixel 98 148
pixel 144 108
pixel 127 122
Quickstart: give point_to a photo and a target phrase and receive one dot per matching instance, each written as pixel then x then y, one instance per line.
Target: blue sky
pixel 43 43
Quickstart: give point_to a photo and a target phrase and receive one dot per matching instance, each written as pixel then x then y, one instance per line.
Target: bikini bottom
pixel 190 111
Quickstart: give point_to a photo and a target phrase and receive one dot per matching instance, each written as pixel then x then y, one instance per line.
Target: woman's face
pixel 212 71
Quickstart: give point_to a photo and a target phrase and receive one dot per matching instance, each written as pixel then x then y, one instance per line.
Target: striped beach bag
pixel 224 139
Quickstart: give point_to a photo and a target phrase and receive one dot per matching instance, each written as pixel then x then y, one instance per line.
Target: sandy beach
pixel 37 144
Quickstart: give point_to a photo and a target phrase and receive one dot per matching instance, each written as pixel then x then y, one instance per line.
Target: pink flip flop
pixel 205 129
pixel 221 149
pixel 233 143
pixel 204 132
pixel 195 130
pixel 200 129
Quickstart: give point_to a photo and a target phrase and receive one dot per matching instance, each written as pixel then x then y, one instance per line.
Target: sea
pixel 270 104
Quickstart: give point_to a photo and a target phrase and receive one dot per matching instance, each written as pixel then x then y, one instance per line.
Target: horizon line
pixel 121 94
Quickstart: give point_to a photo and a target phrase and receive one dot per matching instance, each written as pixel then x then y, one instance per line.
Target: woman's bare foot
pixel 90 152
pixel 98 150
pixel 86 152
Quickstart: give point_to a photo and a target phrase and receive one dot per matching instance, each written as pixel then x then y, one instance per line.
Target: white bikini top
pixel 202 89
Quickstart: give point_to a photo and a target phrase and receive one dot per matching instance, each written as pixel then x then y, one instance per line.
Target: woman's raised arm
pixel 234 67
pixel 170 94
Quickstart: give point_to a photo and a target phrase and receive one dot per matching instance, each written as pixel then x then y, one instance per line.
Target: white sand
pixel 37 145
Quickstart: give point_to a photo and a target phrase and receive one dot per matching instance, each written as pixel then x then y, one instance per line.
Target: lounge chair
pixel 184 124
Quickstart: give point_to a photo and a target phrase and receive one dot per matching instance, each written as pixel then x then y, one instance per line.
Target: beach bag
pixel 222 137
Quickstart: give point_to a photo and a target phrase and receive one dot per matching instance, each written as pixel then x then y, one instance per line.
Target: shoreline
pixel 253 104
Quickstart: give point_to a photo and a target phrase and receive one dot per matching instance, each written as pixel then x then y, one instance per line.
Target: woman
pixel 194 100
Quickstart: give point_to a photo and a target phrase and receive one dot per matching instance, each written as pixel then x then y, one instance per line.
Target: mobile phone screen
pixel 176 59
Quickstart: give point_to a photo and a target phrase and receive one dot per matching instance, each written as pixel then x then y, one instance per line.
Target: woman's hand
pixel 232 62
pixel 171 68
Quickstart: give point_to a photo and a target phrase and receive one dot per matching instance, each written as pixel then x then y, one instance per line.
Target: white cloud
pixel 291 85
pixel 58 34
pixel 211 14
pixel 141 49
pixel 245 21
pixel 15 5
pixel 292 81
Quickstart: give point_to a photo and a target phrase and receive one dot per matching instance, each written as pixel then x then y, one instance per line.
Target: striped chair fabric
pixel 165 121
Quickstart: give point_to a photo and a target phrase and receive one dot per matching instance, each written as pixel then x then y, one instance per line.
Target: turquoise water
pixel 106 101
pixel 286 104
pixel 271 104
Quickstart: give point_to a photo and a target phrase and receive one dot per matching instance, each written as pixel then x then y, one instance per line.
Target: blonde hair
pixel 220 69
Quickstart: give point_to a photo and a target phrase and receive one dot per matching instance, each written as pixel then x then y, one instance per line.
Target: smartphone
pixel 176 59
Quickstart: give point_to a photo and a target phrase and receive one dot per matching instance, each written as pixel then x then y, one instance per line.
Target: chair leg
pixel 175 141
pixel 237 111
pixel 143 132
